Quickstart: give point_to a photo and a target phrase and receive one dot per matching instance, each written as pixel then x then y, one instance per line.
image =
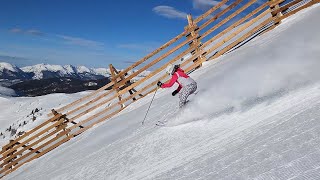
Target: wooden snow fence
pixel 216 32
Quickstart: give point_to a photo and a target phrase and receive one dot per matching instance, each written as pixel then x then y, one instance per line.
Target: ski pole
pixel 150 105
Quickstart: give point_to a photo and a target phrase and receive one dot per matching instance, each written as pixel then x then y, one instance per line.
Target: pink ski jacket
pixel 179 77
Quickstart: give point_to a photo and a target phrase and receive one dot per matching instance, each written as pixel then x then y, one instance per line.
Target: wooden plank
pixel 95 115
pixel 244 37
pixel 33 137
pixel 83 98
pixel 143 89
pixel 219 14
pixel 300 8
pixel 114 113
pixel 282 8
pixel 287 15
pixel 90 102
pixel 156 71
pixel 225 20
pixel 153 62
pixel 236 24
pixel 93 108
pixel 127 83
pixel 40 154
pixel 152 53
pixel 31 131
pixel 206 14
pixel 239 30
pixel 231 36
pixel 98 121
pixel 32 145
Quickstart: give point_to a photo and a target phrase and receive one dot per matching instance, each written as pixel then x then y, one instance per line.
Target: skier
pixel 187 85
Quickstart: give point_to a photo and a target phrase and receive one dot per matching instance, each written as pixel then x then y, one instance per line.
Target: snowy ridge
pixel 10 67
pixel 63 71
pixel 44 71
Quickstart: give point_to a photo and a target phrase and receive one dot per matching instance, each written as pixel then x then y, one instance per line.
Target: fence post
pixel 64 124
pixel 192 28
pixel 114 80
pixel 276 15
pixel 114 74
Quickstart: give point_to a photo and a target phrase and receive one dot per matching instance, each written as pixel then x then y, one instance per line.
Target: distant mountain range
pixel 43 79
pixel 46 71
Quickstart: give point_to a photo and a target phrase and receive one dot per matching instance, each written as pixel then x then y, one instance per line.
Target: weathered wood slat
pixel 98 121
pixel 90 102
pixel 152 53
pixel 242 28
pixel 94 107
pixel 94 116
pixel 156 71
pixel 286 6
pixel 232 35
pixel 32 137
pixel 265 22
pixel 154 62
pixel 83 98
pixel 16 161
pixel 32 145
pixel 219 14
pixel 236 24
pixel 225 20
pixel 40 154
pixel 206 14
pixel 242 38
pixel 30 132
pixel 300 8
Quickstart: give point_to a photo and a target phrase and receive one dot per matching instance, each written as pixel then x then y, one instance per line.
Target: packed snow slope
pixel 256 116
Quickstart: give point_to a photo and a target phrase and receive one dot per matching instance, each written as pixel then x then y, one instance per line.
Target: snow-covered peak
pixel 55 70
pixel 45 71
pixel 102 71
pixel 10 67
pixel 83 69
pixel 69 69
pixel 43 67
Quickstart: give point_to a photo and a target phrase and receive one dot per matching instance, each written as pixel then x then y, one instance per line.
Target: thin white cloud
pixel 147 47
pixel 206 4
pixel 169 12
pixel 59 38
pixel 80 41
pixel 33 32
pixel 16 30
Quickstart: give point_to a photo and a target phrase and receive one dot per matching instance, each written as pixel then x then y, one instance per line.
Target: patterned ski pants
pixel 185 92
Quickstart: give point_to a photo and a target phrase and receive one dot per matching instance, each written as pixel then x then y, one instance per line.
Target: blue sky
pixel 94 33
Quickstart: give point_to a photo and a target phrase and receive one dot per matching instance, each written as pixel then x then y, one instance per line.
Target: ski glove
pixel 159 84
pixel 175 92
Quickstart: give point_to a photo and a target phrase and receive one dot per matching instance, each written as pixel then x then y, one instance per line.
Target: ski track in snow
pixel 266 128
